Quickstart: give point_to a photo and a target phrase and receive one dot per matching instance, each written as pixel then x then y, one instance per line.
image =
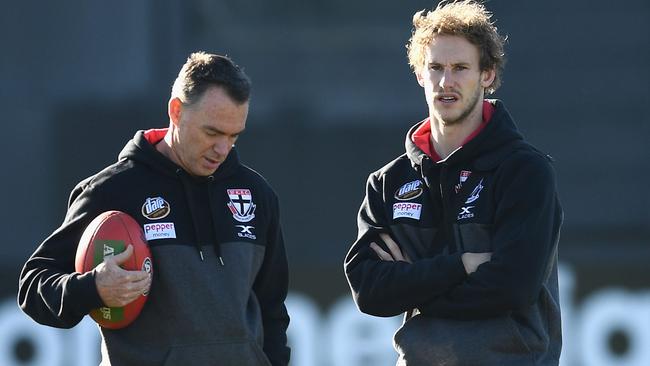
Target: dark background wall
pixel 333 97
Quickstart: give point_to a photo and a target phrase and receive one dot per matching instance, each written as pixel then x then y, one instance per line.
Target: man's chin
pixel 210 166
pixel 452 117
pixel 204 171
pixel 451 122
pixel 449 119
pixel 211 171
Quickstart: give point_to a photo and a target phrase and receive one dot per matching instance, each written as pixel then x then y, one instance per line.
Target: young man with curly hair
pixel 461 232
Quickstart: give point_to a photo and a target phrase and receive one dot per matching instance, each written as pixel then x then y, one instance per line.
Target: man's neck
pixel 164 147
pixel 446 139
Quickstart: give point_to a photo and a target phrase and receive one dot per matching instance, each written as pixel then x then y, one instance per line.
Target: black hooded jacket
pixel 220 274
pixel 495 194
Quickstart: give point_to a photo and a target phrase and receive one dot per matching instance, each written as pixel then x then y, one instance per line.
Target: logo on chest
pixel 159 230
pixel 241 204
pixel 409 191
pixel 464 174
pixel 407 209
pixel 245 232
pixel 475 193
pixel 155 208
pixel 465 213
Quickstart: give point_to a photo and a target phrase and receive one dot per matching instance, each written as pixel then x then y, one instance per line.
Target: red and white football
pixel 109 234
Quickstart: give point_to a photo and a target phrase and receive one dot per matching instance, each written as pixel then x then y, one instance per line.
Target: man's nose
pixel 446 79
pixel 222 146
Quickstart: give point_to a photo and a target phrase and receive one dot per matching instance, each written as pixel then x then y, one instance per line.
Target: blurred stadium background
pixel 333 97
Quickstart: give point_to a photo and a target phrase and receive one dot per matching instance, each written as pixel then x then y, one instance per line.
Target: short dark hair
pixel 203 70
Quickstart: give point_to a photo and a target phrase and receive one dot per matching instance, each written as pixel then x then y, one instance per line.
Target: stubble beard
pixel 465 113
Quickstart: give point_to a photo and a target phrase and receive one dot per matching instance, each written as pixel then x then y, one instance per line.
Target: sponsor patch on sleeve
pixel 407 209
pixel 159 230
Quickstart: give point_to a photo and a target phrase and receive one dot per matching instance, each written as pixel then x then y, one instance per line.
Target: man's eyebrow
pixel 463 63
pixel 214 129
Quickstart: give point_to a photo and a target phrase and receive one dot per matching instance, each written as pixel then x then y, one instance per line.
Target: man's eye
pixel 435 67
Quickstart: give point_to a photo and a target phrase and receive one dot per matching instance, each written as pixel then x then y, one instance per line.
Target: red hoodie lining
pixel 422 135
pixel 155 135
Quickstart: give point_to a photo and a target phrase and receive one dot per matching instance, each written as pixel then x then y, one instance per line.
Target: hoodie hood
pixel 486 148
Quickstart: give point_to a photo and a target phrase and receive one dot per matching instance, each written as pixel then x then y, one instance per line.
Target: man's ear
pixel 487 77
pixel 174 110
pixel 418 76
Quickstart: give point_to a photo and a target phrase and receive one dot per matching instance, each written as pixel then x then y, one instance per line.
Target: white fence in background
pixel 341 336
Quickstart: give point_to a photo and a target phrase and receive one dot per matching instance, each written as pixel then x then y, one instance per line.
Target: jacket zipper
pixel 446 213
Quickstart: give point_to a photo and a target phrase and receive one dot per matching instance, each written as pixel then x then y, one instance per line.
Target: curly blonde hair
pixel 466 18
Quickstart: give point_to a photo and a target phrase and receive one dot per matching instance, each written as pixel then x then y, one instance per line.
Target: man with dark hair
pixel 461 232
pixel 220 280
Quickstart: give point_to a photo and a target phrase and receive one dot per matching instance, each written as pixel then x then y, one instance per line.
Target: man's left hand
pixel 395 252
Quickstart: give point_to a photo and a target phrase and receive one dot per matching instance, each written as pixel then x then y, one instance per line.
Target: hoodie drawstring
pixel 423 170
pixel 191 208
pixel 188 198
pixel 217 246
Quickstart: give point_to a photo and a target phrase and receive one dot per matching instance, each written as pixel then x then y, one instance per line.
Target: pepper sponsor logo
pixel 407 209
pixel 409 191
pixel 155 208
pixel 159 230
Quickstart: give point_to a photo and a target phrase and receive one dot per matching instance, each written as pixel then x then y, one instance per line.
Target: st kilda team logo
pixel 241 204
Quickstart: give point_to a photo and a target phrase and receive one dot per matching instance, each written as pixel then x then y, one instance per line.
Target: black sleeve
pixel 528 218
pixel 270 287
pixel 49 289
pixel 383 288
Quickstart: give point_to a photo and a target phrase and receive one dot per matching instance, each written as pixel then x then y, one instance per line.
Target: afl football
pixel 109 234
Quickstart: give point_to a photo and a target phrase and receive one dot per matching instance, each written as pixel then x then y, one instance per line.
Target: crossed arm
pixel 471 261
pixel 386 282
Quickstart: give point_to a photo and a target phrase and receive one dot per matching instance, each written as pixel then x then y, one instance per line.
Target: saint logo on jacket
pixel 155 208
pixel 475 193
pixel 241 204
pixel 464 174
pixel 409 191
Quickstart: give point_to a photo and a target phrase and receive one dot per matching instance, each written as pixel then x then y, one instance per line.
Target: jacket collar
pixel 486 150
